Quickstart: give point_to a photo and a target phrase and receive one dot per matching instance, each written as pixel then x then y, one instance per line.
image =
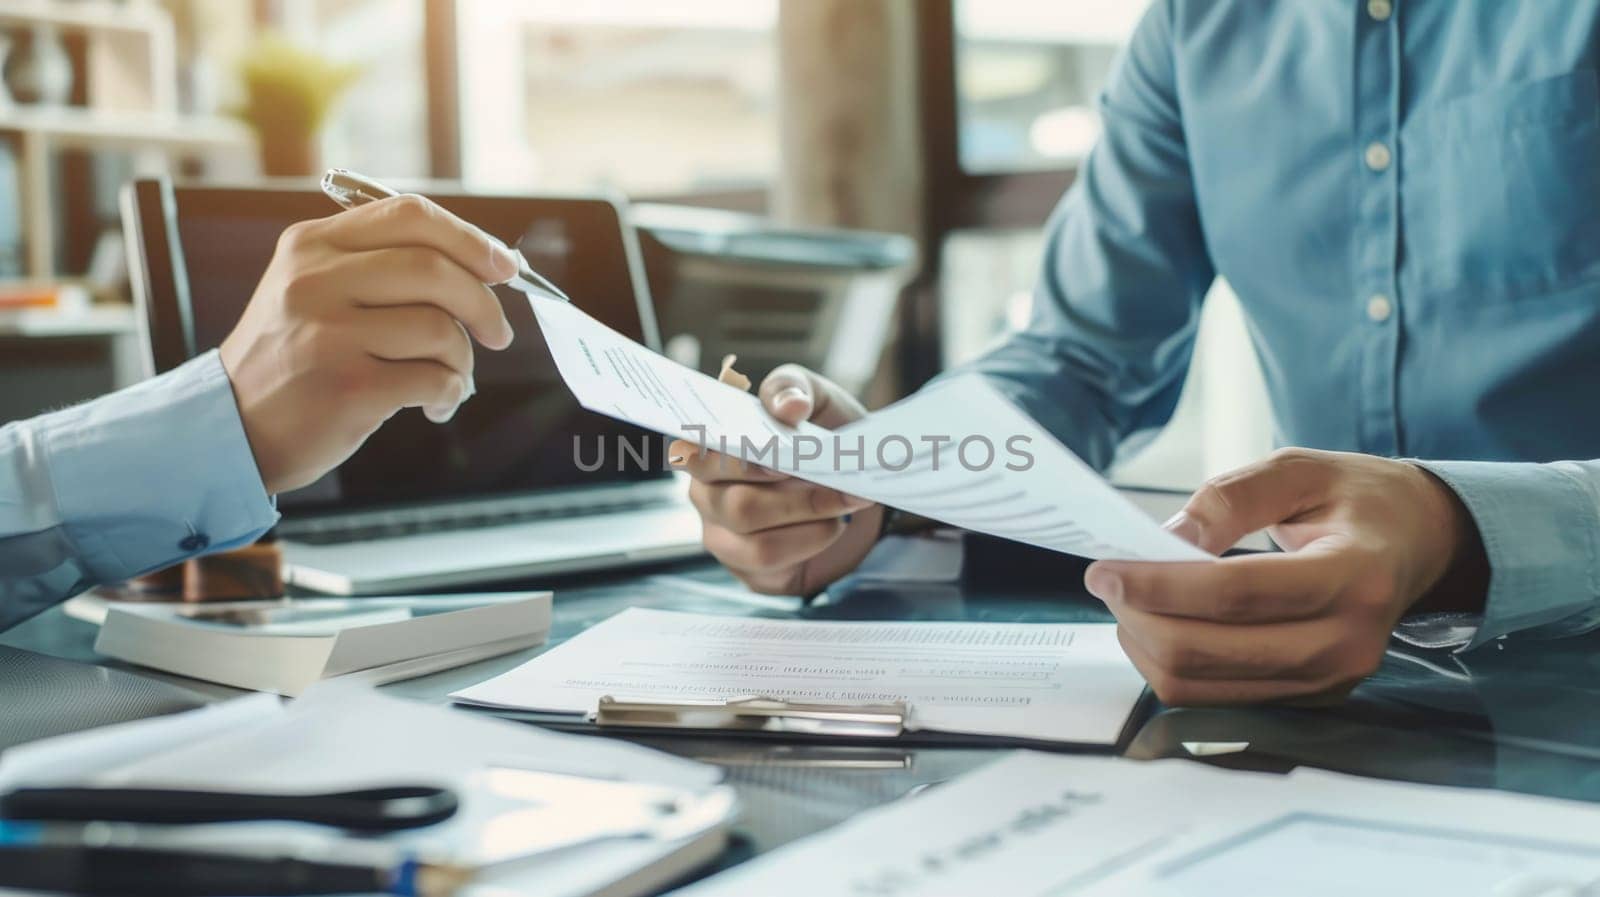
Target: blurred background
pixel 857 184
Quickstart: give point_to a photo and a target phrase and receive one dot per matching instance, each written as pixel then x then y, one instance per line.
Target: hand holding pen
pixel 359 315
pixel 353 190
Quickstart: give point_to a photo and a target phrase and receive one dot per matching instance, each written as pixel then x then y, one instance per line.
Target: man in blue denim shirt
pixel 1405 195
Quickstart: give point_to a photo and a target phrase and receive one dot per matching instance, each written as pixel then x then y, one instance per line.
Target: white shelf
pixel 88 128
pixel 96 320
pixel 84 15
pixel 129 76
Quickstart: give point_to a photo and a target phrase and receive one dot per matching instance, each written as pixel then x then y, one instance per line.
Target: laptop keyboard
pixel 413 524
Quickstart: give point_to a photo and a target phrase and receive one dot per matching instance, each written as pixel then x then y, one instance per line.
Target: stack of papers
pixel 284 647
pixel 959 452
pixel 1051 682
pixel 1045 825
pixel 340 737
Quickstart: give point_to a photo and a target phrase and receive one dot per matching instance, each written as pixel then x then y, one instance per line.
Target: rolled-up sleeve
pixel 1540 525
pixel 1126 267
pixel 123 485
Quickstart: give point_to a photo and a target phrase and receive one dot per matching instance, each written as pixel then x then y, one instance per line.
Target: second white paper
pixel 1047 681
pixel 1051 825
pixel 959 452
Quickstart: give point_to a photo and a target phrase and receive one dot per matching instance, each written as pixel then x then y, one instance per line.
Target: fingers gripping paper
pixel 959 452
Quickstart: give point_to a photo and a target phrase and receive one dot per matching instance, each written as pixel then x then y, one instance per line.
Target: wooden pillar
pixel 33 162
pixel 850 147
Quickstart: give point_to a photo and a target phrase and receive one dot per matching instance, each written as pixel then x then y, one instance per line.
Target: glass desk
pixel 1516 716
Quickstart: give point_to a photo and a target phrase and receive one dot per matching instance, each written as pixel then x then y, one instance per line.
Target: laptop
pixel 522 482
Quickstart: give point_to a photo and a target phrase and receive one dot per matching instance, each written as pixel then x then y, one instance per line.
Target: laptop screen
pixel 518 433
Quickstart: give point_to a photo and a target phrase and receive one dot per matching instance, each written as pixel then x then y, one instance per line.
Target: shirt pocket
pixel 1500 190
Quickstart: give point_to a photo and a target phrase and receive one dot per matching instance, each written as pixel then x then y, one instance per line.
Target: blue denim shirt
pixel 1405 195
pixel 128 483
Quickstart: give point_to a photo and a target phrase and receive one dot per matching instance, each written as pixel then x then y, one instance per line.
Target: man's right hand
pixel 359 315
pixel 781 535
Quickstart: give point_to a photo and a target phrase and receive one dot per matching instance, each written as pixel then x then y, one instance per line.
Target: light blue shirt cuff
pixel 157 473
pixel 128 483
pixel 1540 524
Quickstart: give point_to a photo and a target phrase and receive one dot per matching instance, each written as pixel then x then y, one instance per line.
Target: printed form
pixel 960 452
pixel 1053 682
pixel 1051 825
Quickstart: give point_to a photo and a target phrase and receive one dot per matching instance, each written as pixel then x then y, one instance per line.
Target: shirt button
pixel 1380 9
pixel 1379 308
pixel 195 542
pixel 1377 156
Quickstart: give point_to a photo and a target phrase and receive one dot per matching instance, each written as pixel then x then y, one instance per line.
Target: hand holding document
pixel 1053 682
pixel 1034 825
pixel 959 452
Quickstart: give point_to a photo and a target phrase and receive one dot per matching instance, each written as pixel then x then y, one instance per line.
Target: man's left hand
pixel 1365 540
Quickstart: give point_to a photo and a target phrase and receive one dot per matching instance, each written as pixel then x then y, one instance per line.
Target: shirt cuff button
pixel 195 542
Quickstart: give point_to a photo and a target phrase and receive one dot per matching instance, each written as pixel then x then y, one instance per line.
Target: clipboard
pixel 773 719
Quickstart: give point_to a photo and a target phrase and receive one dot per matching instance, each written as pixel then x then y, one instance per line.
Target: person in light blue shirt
pixel 1405 195
pixel 357 316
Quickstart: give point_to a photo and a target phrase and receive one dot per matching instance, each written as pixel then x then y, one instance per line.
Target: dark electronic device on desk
pixel 727 283
pixel 497 493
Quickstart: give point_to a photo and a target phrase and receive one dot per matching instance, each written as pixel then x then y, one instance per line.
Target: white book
pixel 285 647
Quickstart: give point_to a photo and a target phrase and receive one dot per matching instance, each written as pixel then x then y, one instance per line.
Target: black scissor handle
pixel 371 809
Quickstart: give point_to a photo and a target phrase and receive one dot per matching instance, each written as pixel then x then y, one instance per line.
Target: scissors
pixel 350 189
pixel 389 809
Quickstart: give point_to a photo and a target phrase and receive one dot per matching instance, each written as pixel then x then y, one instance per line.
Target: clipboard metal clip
pixel 757 714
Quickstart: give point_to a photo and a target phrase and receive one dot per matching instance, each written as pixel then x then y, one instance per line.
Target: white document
pixel 960 452
pixel 341 737
pixel 1038 825
pixel 1055 682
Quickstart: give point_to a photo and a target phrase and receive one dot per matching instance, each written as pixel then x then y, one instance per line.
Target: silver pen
pixel 349 190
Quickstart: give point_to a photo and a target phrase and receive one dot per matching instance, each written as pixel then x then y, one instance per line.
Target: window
pixel 647 98
pixel 1027 74
pixel 1025 82
pixel 380 126
pixel 1016 113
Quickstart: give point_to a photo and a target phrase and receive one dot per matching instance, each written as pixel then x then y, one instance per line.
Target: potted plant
pixel 288 93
